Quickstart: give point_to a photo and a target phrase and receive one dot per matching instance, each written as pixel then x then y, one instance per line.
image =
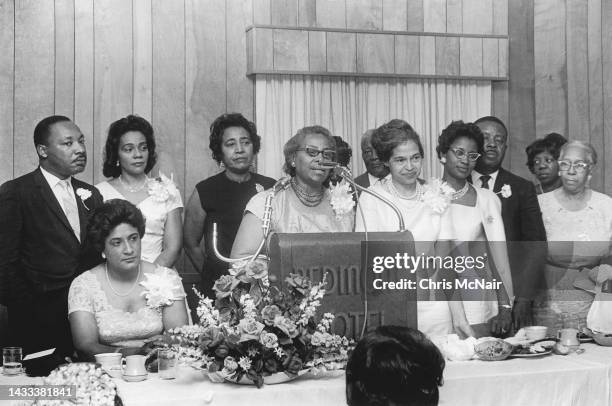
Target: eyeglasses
pixel 460 154
pixel 579 167
pixel 328 154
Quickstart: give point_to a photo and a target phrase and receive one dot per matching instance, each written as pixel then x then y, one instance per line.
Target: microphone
pixel 345 173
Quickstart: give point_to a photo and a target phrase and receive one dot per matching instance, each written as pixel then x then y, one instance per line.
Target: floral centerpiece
pixel 254 330
pixel 93 385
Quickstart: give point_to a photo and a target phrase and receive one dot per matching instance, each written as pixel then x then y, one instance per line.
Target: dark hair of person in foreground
pixel 394 366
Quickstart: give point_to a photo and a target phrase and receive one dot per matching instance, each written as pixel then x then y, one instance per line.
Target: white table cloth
pixel 583 379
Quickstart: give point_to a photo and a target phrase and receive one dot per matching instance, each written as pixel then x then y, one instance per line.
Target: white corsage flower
pixel 341 199
pixel 506 191
pixel 83 194
pixel 259 188
pixel 162 187
pixel 159 288
pixel 437 195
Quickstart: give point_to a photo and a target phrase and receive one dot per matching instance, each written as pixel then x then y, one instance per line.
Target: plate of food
pixel 533 350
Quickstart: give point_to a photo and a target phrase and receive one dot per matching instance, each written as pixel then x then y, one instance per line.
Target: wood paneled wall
pixel 177 63
pixel 573 76
pixel 393 38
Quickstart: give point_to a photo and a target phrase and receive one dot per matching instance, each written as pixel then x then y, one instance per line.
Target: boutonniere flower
pixel 83 194
pixel 437 195
pixel 505 192
pixel 259 188
pixel 341 199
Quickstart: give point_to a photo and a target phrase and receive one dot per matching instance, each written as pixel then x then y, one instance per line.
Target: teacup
pixel 135 365
pixel 535 332
pixel 110 362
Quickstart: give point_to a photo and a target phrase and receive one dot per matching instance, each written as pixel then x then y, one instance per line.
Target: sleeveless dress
pixel 117 327
pixel 163 198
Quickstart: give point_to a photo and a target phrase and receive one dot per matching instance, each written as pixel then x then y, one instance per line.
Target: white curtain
pixel 349 106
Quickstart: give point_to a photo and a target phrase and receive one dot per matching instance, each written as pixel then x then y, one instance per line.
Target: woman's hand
pixel 151 344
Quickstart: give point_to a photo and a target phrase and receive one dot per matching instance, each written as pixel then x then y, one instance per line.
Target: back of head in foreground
pixel 394 366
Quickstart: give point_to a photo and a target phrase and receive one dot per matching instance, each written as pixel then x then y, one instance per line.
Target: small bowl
pixel 134 378
pixel 493 350
pixel 603 339
pixel 536 332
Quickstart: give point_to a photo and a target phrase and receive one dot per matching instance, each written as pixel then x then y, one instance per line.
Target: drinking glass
pixel 11 360
pixel 167 364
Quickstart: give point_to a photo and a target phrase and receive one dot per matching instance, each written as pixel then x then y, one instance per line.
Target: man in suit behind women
pixel 375 169
pixel 43 220
pixel 521 216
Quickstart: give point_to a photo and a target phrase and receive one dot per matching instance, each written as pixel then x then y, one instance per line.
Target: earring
pixel 103 255
pixel 559 173
pixel 293 164
pixel 117 164
pixel 221 165
pixel 443 159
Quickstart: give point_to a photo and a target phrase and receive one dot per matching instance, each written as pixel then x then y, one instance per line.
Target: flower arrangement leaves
pixel 254 330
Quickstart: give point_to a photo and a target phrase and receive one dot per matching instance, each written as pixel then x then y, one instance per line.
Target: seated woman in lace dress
pixel 122 304
pixel 578 222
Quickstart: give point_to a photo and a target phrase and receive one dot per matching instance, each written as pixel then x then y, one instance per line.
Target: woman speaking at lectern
pixel 301 203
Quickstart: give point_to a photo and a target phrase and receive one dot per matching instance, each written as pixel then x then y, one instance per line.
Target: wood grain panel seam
pixel 382 32
pixel 377 75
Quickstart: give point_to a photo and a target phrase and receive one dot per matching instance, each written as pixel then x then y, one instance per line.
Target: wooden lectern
pixel 347 262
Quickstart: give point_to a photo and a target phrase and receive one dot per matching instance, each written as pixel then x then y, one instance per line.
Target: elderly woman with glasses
pixel 474 225
pixel 578 222
pixel 301 203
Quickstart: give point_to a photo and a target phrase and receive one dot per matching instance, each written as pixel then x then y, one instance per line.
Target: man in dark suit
pixel 375 169
pixel 43 220
pixel 521 214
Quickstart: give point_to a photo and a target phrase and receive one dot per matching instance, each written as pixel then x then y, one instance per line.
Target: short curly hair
pixel 552 144
pixel 108 216
pixel 295 142
pixel 225 121
pixel 458 129
pixel 343 151
pixel 388 136
pixel 110 169
pixel 394 365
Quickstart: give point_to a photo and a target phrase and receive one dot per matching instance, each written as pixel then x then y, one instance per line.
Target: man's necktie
pixel 485 181
pixel 70 207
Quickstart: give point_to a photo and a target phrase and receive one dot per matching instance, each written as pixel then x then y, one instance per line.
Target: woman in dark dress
pixel 221 199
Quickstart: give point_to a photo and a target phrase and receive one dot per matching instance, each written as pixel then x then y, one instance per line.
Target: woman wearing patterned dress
pixel 578 222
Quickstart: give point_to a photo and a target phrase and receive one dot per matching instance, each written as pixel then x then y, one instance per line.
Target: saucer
pixel 134 378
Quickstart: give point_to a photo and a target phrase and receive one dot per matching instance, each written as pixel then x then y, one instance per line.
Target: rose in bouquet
pixel 254 330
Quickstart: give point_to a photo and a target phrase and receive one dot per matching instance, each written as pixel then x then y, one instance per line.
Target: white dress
pixel 433 316
pixel 163 198
pixel 117 327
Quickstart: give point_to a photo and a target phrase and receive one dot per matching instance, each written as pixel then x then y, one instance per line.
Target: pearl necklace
pixel 415 196
pixel 110 285
pixel 132 189
pixel 307 199
pixel 458 194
